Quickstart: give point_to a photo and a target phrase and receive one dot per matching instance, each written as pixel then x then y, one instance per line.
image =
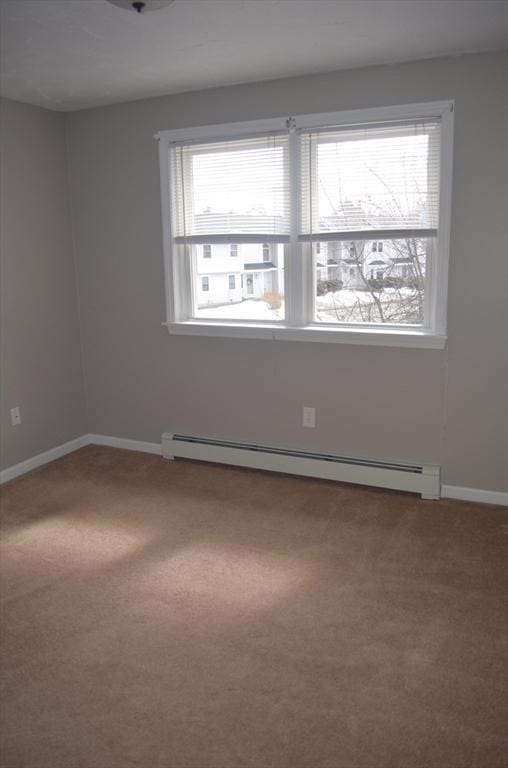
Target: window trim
pixel 299 279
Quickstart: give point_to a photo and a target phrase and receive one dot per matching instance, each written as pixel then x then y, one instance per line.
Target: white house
pixel 355 262
pixel 233 272
pixel 228 273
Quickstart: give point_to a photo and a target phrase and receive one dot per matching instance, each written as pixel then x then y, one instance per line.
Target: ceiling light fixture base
pixel 140 6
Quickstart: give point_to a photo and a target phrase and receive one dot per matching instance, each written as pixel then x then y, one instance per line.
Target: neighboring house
pixel 354 263
pixel 228 273
pixel 329 261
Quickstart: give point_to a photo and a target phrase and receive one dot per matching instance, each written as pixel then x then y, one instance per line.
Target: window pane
pixel 231 187
pixel 252 290
pixel 355 284
pixel 371 178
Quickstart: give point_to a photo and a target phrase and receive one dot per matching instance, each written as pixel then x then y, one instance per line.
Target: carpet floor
pixel 180 615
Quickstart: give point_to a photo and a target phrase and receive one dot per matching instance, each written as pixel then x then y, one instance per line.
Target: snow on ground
pixel 327 306
pixel 344 298
pixel 251 309
pixel 347 298
pixel 359 306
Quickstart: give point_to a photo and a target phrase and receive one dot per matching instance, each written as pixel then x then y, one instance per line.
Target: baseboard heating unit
pixel 402 477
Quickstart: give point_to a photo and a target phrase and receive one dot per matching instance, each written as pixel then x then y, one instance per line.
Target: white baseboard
pixel 43 458
pixel 447 491
pixel 474 494
pixel 73 445
pixel 123 442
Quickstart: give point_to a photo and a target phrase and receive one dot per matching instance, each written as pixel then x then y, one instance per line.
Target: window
pixel 205 283
pixel 360 183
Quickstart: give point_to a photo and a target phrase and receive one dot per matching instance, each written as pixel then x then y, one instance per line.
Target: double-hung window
pixel 343 221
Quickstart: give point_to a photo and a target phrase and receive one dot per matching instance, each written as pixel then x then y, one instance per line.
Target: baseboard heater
pixel 402 477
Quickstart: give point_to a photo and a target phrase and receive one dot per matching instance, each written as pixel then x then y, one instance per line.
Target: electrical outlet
pixel 15 416
pixel 309 416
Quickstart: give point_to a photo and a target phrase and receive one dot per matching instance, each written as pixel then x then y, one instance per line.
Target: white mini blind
pixel 231 191
pixel 377 180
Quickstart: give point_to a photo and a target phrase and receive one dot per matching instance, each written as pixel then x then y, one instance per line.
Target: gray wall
pixel 445 406
pixel 41 368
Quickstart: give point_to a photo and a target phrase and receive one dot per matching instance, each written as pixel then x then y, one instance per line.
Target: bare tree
pixel 398 295
pixel 390 298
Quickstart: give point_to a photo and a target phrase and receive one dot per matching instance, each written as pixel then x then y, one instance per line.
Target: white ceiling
pixel 70 54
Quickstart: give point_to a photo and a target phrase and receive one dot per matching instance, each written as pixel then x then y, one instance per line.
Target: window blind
pixel 370 181
pixel 231 191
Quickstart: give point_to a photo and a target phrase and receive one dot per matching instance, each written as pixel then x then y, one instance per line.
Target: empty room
pixel 254 384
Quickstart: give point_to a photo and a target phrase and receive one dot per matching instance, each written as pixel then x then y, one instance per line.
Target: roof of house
pixel 258 265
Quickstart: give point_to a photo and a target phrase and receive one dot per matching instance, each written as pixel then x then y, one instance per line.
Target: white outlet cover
pixel 15 416
pixel 309 416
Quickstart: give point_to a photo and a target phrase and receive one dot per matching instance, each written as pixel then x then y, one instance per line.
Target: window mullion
pixel 294 269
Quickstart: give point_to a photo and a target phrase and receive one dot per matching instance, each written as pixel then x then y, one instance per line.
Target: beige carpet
pixel 178 615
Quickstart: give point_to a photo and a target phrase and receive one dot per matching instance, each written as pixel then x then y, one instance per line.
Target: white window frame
pixel 299 277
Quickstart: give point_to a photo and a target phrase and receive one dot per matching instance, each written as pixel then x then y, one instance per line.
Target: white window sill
pixel 394 337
